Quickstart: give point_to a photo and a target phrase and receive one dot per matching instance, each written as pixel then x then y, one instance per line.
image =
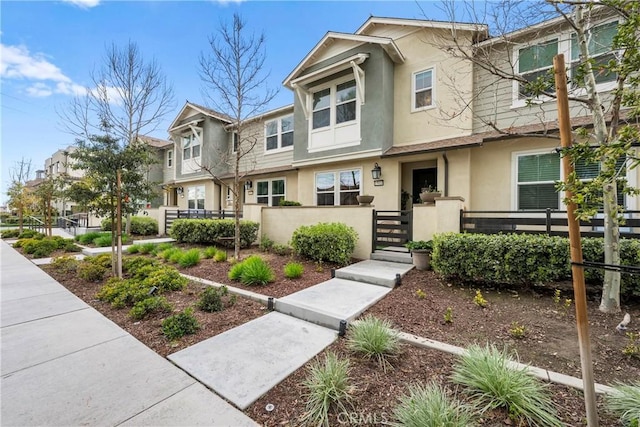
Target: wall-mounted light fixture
pixel 180 191
pixel 376 174
pixel 248 185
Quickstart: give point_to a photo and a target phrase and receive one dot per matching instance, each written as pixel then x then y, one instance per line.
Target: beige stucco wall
pixel 422 50
pixel 441 217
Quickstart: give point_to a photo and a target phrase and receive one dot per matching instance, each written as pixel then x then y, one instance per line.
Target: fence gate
pixel 391 229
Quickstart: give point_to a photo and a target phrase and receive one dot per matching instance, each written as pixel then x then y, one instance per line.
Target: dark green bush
pixel 521 259
pixel 140 225
pixel 70 246
pixel 30 234
pixel 266 243
pixel 91 272
pixel 279 249
pixel 10 234
pixel 180 324
pixel 332 242
pixel 150 305
pixel 208 231
pixel 89 237
pixel 289 203
pixel 132 265
pixel 123 292
pixel 41 248
pixel 211 299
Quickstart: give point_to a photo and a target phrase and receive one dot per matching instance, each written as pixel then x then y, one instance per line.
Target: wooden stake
pixel 577 271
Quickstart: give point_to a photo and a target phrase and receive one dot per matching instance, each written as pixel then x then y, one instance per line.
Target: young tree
pixel 20 197
pixel 235 83
pixel 114 182
pixel 607 144
pixel 45 194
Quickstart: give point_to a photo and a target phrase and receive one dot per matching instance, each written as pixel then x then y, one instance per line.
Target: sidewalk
pixel 63 363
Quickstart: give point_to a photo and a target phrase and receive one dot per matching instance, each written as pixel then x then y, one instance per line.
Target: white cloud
pixel 85 4
pixel 16 62
pixel 226 2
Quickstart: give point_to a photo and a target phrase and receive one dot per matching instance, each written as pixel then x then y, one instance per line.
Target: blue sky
pixel 49 49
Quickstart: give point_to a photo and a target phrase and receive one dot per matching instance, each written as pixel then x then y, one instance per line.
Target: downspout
pixel 446 174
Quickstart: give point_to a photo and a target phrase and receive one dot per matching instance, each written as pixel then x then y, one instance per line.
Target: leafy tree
pixel 235 83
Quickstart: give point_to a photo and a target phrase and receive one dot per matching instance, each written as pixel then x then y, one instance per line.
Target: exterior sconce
pixel 248 185
pixel 180 191
pixel 376 172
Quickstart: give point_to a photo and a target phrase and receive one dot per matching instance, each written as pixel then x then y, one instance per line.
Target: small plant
pixel 266 243
pixel 557 300
pixel 256 271
pixel 143 308
pixel 491 382
pixel 165 279
pixel 556 297
pixel 102 241
pixel 328 385
pixel 65 264
pixel 421 294
pixel 133 249
pixel 220 256
pixel 282 250
pixel 180 324
pixel 211 299
pixel 293 270
pixel 209 252
pixel 167 253
pixel 429 406
pixel 375 339
pixel 517 330
pixel 479 299
pixel 190 258
pixel 448 315
pixel 91 272
pixel 161 247
pixel 632 348
pixel 176 256
pixel 87 238
pixel 419 245
pixel 147 248
pixel 624 402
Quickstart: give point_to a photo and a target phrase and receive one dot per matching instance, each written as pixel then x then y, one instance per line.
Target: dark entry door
pixel 423 178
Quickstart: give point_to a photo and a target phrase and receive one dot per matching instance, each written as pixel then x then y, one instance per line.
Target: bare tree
pixel 235 84
pixel 607 140
pixel 130 97
pixel 20 197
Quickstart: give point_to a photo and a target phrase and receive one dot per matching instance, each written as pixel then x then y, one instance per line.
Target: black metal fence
pixel 391 229
pixel 172 215
pixel 549 221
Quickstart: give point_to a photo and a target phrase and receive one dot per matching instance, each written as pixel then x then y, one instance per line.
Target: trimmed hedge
pixel 208 231
pixel 332 242
pixel 140 225
pixel 524 259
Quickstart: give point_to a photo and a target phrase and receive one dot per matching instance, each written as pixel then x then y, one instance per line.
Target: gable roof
pixel 374 21
pixel 331 37
pixel 204 110
pixel 154 142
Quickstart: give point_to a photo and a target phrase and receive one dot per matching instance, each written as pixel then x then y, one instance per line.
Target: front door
pixel 423 178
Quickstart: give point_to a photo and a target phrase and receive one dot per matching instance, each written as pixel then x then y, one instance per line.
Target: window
pixel 235 142
pixel 588 171
pixel 270 192
pixel 190 147
pixel 422 96
pixel 337 188
pixel 169 158
pixel 537 174
pixel 195 197
pixel 279 133
pixel 535 62
pixel 600 41
pixel 339 99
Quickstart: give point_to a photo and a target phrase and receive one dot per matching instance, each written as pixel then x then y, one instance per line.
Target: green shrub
pixel 133 249
pixel 103 260
pixel 289 203
pixel 211 299
pixel 41 248
pixel 180 324
pixel 146 248
pixel 70 246
pixel 166 254
pixel 190 258
pixel 624 402
pixel 140 225
pixel 328 385
pixel 89 237
pixel 374 338
pixel 279 249
pixel 165 278
pixel 161 247
pixel 209 252
pixel 176 256
pixel 208 231
pixel 293 270
pixel 429 406
pixel 65 264
pixel 132 265
pixel 492 383
pixel 235 273
pixel 10 234
pixel 332 242
pixel 30 234
pixel 143 308
pixel 220 256
pixel 123 292
pixel 91 272
pixel 255 271
pixel 102 241
pixel 521 259
pixel 266 243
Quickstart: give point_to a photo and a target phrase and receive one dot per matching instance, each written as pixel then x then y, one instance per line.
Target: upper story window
pixel 190 147
pixel 599 42
pixel 535 62
pixel 170 158
pixel 338 188
pixel 235 142
pixel 279 133
pixel 422 90
pixel 334 105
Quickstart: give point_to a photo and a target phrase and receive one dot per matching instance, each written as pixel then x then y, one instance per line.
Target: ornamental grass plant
pixel 374 338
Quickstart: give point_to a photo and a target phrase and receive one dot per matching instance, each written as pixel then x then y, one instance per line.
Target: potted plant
pixel 364 199
pixel 420 253
pixel 429 194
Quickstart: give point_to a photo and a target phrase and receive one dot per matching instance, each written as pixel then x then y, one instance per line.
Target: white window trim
pixel 332 104
pixel 336 191
pixel 204 197
pixel 169 159
pixel 514 176
pixel 194 140
pixel 234 135
pixel 280 148
pixel 433 90
pixel 270 195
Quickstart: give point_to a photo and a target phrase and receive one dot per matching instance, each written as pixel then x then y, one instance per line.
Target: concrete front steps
pixel 397 255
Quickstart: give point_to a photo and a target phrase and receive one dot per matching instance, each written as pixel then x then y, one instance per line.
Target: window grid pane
pixel 287 139
pixel 346 112
pixel 346 92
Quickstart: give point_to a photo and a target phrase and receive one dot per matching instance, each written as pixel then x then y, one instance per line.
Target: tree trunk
pixel 118 224
pixel 236 204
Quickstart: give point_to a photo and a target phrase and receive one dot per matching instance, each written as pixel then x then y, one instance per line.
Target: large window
pixel 537 174
pixel 190 147
pixel 422 94
pixel 270 192
pixel 600 41
pixel 338 188
pixel 334 105
pixel 195 197
pixel 279 133
pixel 535 62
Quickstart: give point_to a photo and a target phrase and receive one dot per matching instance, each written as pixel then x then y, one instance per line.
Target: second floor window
pixel 334 105
pixel 599 44
pixel 190 147
pixel 536 62
pixel 169 158
pixel 279 133
pixel 422 96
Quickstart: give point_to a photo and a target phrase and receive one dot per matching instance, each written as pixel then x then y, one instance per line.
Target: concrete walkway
pixel 63 363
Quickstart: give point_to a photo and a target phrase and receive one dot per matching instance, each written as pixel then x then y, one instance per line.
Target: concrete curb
pixel 543 374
